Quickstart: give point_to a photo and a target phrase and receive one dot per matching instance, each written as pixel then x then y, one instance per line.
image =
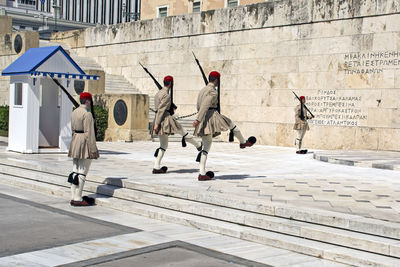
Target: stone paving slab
pixel 27 226
pixel 153 233
pixel 363 158
pixel 263 173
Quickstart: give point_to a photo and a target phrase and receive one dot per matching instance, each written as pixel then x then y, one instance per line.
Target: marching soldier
pixel 301 124
pixel 82 149
pixel 211 123
pixel 164 125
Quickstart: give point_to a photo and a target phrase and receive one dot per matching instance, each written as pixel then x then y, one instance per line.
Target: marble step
pixel 301 245
pixel 350 222
pixel 365 242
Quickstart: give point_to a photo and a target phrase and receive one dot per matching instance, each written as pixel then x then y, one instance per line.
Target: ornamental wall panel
pixel 343 57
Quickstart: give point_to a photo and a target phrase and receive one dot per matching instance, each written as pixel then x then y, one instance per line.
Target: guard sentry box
pixel 40 112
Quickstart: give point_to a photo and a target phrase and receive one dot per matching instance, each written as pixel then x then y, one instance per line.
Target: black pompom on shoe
pixel 250 142
pixel 160 171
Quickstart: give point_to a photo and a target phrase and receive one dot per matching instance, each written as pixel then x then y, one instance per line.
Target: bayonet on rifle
pixel 201 69
pixel 206 82
pixel 154 79
pixel 75 103
pixel 173 106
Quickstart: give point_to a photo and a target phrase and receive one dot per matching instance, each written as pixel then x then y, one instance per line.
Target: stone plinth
pixel 5 24
pixel 128 117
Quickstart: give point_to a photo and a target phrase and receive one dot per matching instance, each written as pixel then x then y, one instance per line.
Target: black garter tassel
pixel 158 149
pixel 199 155
pixel 183 140
pixel 76 179
pixel 71 177
pixel 231 134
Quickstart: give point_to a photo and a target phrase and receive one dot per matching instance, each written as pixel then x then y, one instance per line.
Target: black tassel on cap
pixel 183 140
pixel 231 134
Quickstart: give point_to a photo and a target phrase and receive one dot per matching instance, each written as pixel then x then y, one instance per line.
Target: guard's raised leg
pixel 235 132
pixel 187 137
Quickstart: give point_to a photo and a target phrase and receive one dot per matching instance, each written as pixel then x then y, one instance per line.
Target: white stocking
pixel 299 140
pixel 237 133
pixel 163 146
pixel 189 138
pixel 83 166
pixel 207 142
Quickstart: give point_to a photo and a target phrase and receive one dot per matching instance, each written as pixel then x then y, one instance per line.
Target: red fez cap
pixel 302 97
pixel 85 95
pixel 168 79
pixel 215 74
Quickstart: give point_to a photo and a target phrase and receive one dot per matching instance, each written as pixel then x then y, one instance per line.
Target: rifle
pixel 201 69
pixel 70 97
pixel 173 106
pixel 76 104
pixel 206 82
pixel 303 104
pixel 154 79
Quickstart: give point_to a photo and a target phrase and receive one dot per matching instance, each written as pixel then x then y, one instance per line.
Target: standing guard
pixel 211 123
pixel 165 124
pixel 301 124
pixel 82 149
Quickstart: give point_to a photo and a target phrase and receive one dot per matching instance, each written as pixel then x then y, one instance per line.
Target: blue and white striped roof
pixel 50 61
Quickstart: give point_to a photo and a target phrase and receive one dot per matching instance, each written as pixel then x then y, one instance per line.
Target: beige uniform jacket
pixel 299 123
pixel 82 144
pixel 166 123
pixel 207 98
pixel 211 121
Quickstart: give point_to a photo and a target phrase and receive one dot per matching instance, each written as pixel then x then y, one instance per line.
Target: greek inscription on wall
pixel 370 62
pixel 330 109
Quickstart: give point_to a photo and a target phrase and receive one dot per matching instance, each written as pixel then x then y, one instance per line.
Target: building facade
pixel 47 16
pixel 162 8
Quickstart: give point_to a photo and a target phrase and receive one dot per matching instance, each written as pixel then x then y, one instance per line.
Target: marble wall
pixel 343 56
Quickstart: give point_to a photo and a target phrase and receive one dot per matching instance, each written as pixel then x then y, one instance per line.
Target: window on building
pixel 18 94
pixel 196 7
pixel 162 11
pixel 232 3
pixel 103 12
pixel 73 9
pixel 81 9
pixel 27 2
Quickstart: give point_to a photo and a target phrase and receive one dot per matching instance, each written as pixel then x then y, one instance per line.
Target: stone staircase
pixel 338 237
pixel 117 84
pixel 114 84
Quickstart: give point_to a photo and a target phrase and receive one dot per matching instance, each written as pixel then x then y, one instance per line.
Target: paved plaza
pixel 106 237
pixel 270 174
pixel 287 208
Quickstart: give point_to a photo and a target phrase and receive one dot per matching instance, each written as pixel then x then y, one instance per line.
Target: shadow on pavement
pixel 185 171
pixel 111 184
pixel 236 177
pixel 110 152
